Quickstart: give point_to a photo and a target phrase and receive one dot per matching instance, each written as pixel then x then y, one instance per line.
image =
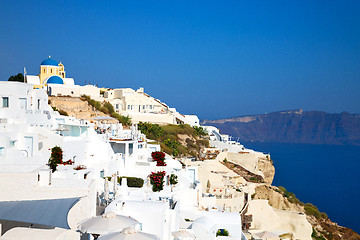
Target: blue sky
pixel 215 59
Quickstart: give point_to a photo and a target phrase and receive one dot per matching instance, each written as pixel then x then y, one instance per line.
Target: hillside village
pixel 74 157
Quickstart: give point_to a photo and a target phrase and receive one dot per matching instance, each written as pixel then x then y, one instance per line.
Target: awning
pixel 49 212
pixel 102 118
pixel 21 233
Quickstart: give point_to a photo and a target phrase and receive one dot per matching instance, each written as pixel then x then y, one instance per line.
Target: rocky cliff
pixel 295 126
pixel 75 107
pixel 323 227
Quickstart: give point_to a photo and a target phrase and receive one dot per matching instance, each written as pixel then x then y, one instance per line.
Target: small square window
pixel 5 102
pixel 2 151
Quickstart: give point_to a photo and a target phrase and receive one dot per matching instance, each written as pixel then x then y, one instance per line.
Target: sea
pixel 324 175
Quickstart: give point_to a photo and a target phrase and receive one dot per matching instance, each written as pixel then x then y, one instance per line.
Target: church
pixel 52 77
pixel 51 72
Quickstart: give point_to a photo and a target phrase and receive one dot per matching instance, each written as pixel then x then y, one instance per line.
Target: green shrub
pixel 107 108
pixel 182 151
pixel 152 131
pixel 92 102
pixel 222 232
pixel 255 179
pixel 289 195
pixel 125 120
pixel 199 131
pixel 173 179
pixel 324 215
pixel 203 142
pixel 192 153
pixel 97 105
pixel 315 236
pixel 172 129
pixel 62 112
pixel 168 137
pixel 312 210
pixel 133 181
pixel 173 145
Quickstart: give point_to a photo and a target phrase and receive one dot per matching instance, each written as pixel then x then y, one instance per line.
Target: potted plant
pixel 55 158
pixel 157 180
pixel 159 157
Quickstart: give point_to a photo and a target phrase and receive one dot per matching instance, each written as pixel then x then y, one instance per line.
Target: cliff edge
pixel 296 126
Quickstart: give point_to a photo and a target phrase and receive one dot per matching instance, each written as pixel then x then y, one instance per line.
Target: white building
pixel 29 128
pixel 141 107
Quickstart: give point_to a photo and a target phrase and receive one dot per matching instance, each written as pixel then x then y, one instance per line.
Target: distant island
pixel 293 126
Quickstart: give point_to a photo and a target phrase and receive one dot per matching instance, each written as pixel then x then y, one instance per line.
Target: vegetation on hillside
pixel 309 208
pixel 317 236
pixel 62 112
pixel 289 195
pixel 17 78
pixel 107 108
pixel 176 140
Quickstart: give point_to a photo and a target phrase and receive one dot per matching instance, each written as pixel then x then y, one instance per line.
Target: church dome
pixel 50 62
pixel 55 80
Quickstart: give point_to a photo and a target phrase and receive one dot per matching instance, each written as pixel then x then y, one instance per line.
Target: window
pixel 50 70
pixel 5 102
pixel 38 104
pixel 2 150
pixel 44 70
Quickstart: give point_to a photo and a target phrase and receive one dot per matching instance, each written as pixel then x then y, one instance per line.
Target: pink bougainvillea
pixel 159 157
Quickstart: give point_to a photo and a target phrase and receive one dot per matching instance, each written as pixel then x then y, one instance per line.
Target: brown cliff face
pixel 324 228
pixel 267 168
pixel 75 107
pixel 293 127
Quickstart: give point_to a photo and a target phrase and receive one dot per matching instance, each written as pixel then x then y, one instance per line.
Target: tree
pixel 17 78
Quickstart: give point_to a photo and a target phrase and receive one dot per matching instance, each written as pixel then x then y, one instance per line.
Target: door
pixel 29 142
pixel 23 103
